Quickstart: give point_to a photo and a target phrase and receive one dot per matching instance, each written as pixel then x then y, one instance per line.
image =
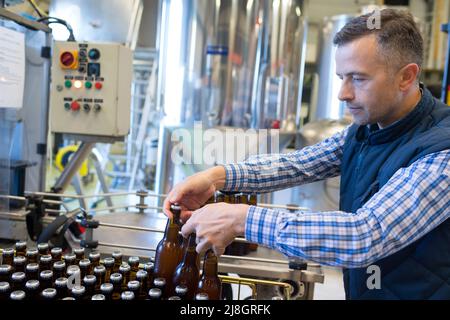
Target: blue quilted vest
pixel 371 157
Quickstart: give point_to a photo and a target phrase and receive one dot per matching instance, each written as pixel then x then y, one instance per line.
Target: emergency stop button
pixel 75 106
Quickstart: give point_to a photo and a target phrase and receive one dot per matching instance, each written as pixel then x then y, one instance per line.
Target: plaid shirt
pixel 414 201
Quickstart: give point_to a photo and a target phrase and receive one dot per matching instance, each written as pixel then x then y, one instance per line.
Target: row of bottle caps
pixel 33 273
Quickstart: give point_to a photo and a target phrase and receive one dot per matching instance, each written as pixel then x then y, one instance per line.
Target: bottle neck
pixel 210 267
pixel 190 256
pixel 172 229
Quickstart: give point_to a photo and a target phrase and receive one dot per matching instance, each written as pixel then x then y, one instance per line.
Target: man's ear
pixel 408 76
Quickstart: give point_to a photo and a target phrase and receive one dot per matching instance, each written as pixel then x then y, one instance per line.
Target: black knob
pixel 94 54
pixel 86 107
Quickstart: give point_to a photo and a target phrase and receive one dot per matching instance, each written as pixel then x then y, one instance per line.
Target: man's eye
pixel 358 79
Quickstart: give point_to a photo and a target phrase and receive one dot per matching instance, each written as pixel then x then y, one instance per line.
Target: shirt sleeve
pixel 267 173
pixel 413 202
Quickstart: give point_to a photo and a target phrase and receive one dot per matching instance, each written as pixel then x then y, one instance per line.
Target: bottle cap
pixel 125 267
pixel 115 278
pixel 141 275
pixel 106 287
pixel 181 289
pixel 108 262
pixel 4 286
pixel 174 298
pixel 48 293
pixel 17 295
pixel 127 295
pixel 201 296
pixel 46 274
pixel 159 282
pixel 32 284
pixel 117 254
pixel 18 276
pixel 98 297
pixel 32 267
pixel 61 282
pixel 154 293
pixel 90 279
pixel 78 290
pixel 133 285
pixel 133 260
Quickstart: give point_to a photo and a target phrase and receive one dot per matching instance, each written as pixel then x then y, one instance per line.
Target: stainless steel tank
pixel 328 106
pixel 232 62
pixel 229 63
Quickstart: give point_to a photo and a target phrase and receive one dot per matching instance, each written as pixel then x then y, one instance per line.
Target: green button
pixel 68 83
pixel 88 84
pixel 67 105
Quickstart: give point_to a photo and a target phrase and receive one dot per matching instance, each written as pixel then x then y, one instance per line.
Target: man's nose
pixel 346 92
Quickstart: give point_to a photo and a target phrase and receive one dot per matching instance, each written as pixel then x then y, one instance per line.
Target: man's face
pixel 370 91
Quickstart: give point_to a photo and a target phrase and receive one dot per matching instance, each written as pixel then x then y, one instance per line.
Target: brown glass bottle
pixel 61 287
pixel 94 257
pixel 46 279
pixel 70 259
pixel 32 255
pixel 19 263
pixel 125 271
pixel 18 280
pixel 43 248
pixel 5 272
pixel 79 254
pixel 79 292
pixel 56 254
pixel 168 252
pixel 117 255
pixel 107 290
pixel 142 277
pixel 109 266
pixel 45 262
pixel 161 284
pixel 116 280
pixel 21 248
pixel 32 289
pixel 187 272
pixel 99 273
pixel 85 267
pixel 89 282
pixel 32 271
pixel 210 282
pixel 5 290
pixel 149 267
pixel 135 287
pixel 59 269
pixel 8 256
pixel 134 265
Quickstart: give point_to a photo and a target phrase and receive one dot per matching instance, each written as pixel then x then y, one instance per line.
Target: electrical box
pixel 91 89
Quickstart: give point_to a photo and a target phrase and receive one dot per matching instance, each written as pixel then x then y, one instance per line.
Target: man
pixel 394 162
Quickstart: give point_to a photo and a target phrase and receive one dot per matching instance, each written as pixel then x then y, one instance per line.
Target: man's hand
pixel 216 225
pixel 193 192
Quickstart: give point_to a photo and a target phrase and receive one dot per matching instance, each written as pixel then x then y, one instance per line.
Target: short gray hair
pixel 399 39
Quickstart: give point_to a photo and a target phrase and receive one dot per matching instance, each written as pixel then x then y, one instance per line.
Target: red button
pixel 75 106
pixel 98 85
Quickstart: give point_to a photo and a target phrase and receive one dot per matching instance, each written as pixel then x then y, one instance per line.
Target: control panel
pixel 91 89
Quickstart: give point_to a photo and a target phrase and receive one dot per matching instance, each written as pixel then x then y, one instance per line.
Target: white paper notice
pixel 12 68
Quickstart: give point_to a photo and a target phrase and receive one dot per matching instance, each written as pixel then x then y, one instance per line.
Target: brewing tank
pixel 328 105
